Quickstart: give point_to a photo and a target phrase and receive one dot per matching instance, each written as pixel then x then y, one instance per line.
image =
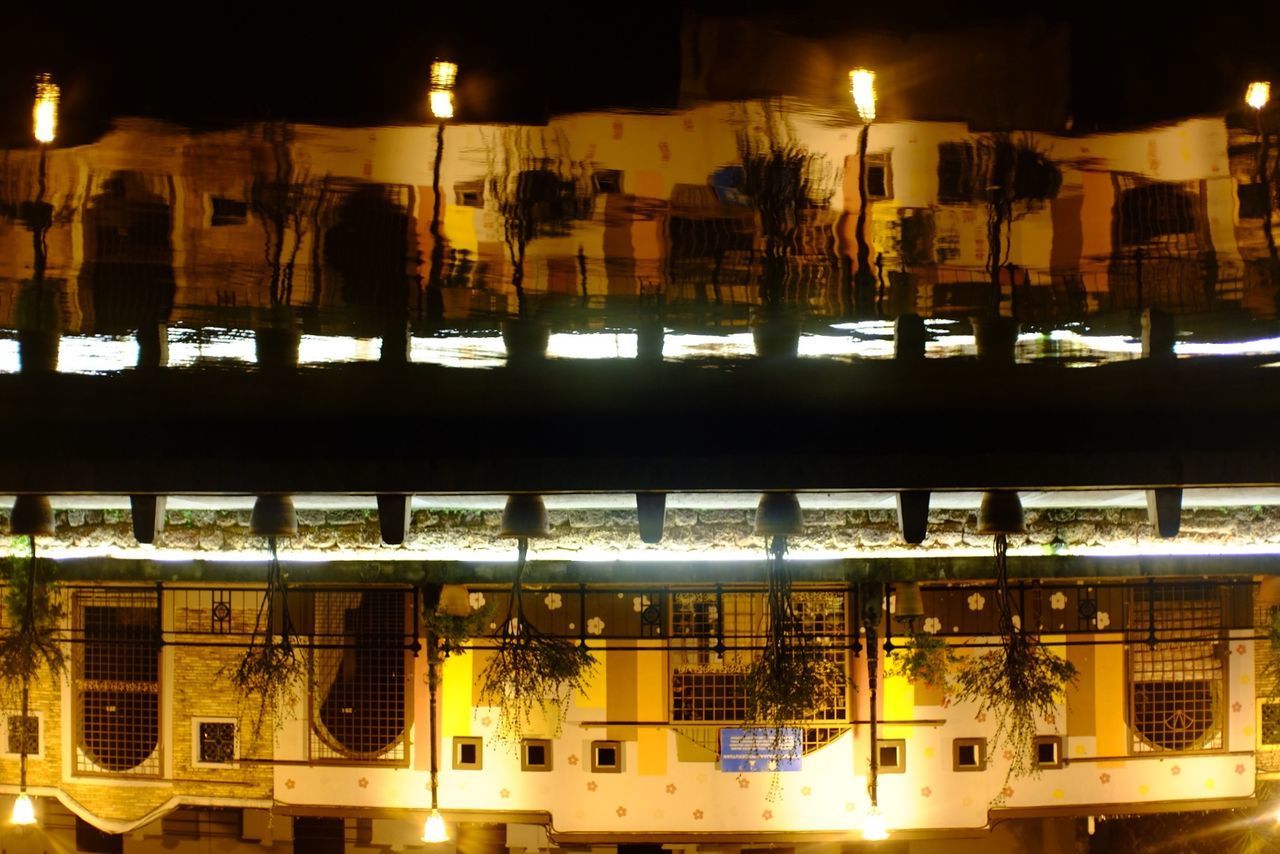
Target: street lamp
pixel 24 811
pixel 1258 94
pixel 44 113
pixel 862 86
pixel 443 76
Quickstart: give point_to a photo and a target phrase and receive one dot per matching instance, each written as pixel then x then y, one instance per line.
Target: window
pixel 969 754
pixel 116 680
pixel 1269 723
pixel 469 194
pixel 1048 751
pixel 957 171
pixel 22 735
pixel 360 674
pixel 1177 687
pixel 228 211
pixel 879 177
pixel 608 181
pixel 468 753
pixel 1148 211
pixel 891 755
pixel 215 741
pixel 705 686
pixel 1253 200
pixel 535 754
pixel 606 756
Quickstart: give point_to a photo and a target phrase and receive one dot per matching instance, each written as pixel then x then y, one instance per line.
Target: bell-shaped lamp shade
pixel 32 516
pixel 434 830
pixel 908 604
pixel 525 516
pixel 24 811
pixel 778 515
pixel 1001 513
pixel 873 826
pixel 273 516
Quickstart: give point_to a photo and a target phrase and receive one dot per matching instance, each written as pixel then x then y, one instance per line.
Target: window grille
pixel 217 742
pixel 1176 688
pixel 706 682
pixel 1271 724
pixel 116 680
pixel 360 675
pixel 23 735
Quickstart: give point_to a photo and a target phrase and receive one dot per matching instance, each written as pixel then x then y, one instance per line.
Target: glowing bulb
pixel 434 830
pixel 44 115
pixel 873 828
pixel 443 74
pixel 862 82
pixel 442 103
pixel 1258 94
pixel 24 811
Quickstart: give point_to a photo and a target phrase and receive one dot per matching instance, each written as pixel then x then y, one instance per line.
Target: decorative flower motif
pixel 671 788
pixel 1236 707
pixel 1104 778
pixel 977 602
pixel 477 600
pixel 289 784
pixel 572 626
pixel 932 625
pixel 503 793
pixel 980 717
pixel 807 791
pixel 697 815
pixel 926 792
pixel 1240 649
pixel 591 786
pixel 363 782
pixel 573 760
pixel 621 811
pixel 1239 769
pixel 639 603
pixel 1007 792
pixel 552 601
pixel 1008 755
pixel 1050 718
pixel 767 815
pixel 1175 770
pixel 486 721
pixel 1103 619
pixel 744 783
pixel 595 626
pixel 1058 601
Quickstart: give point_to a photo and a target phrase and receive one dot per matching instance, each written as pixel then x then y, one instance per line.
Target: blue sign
pixel 761 749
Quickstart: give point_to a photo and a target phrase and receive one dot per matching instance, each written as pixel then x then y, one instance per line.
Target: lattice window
pixel 215 742
pixel 1177 688
pixel 706 683
pixel 116 676
pixel 1271 724
pixel 360 678
pixel 22 735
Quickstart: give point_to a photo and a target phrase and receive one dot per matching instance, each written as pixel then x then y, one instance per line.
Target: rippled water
pixel 602 228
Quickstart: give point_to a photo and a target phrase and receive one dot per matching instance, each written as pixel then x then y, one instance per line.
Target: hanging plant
pixel 271 670
pixel 451 631
pixel 925 659
pixel 1018 682
pixel 531 672
pixel 795 676
pixel 33 614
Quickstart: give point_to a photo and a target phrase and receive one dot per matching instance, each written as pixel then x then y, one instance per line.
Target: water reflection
pixel 724 229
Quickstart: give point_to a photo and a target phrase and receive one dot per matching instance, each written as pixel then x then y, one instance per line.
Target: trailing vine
pixel 1018 682
pixel 924 660
pixel 273 667
pixel 531 671
pixel 33 614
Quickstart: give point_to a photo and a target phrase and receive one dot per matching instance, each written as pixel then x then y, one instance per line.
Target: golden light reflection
pixel 24 811
pixel 442 103
pixel 1258 94
pixel 434 831
pixel 443 74
pixel 44 115
pixel 862 82
pixel 873 827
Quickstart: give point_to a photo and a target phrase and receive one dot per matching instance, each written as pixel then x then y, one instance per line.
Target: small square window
pixel 606 756
pixel 891 755
pixel 1048 751
pixel 22 735
pixel 1253 200
pixel 468 753
pixel 228 211
pixel 1269 715
pixel 535 754
pixel 215 742
pixel 608 181
pixel 469 194
pixel 969 754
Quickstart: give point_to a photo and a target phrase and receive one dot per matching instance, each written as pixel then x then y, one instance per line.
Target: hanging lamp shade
pixel 1001 513
pixel 274 516
pixel 778 515
pixel 908 604
pixel 32 516
pixel 455 601
pixel 525 516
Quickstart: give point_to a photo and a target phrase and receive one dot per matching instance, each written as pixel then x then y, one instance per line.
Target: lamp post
pixel 873 827
pixel 434 830
pixel 1257 95
pixel 862 86
pixel 443 77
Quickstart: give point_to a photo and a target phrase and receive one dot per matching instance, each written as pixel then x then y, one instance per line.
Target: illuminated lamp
pixel 873 826
pixel 434 830
pixel 862 85
pixel 24 811
pixel 44 114
pixel 1258 94
pixel 31 516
